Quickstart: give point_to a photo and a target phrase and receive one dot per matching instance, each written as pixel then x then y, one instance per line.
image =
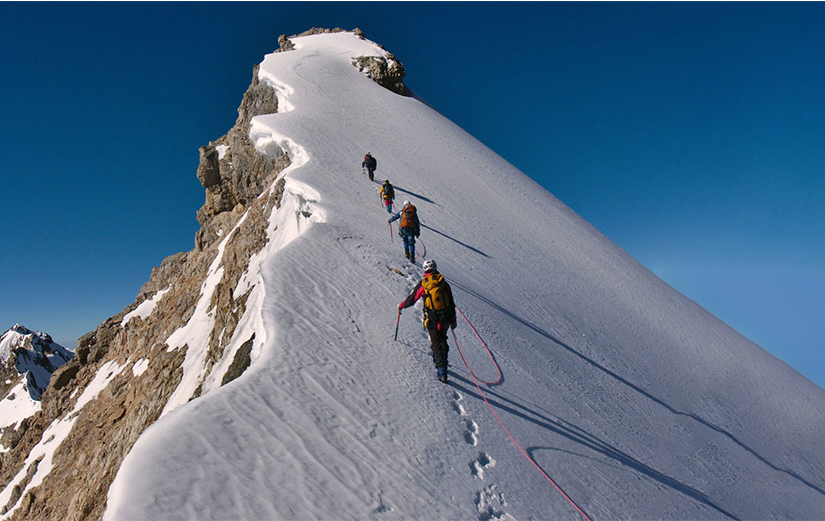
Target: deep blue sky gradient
pixel 691 134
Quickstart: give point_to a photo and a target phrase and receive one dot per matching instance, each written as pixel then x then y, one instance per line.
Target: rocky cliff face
pixel 60 462
pixel 130 347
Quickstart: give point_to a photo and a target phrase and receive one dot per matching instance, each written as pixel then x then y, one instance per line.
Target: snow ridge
pixel 639 403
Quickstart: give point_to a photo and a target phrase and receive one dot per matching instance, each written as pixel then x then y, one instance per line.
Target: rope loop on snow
pixel 476 381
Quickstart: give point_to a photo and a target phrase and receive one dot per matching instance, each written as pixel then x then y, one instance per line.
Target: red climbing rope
pixel 422 255
pixel 485 347
pixel 524 452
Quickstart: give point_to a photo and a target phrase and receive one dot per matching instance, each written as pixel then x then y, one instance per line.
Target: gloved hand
pixel 418 233
pixel 400 307
pixel 389 221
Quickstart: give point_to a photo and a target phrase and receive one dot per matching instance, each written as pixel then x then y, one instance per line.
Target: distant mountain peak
pixel 32 354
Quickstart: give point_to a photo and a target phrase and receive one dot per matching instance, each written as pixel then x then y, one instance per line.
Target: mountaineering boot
pixel 442 374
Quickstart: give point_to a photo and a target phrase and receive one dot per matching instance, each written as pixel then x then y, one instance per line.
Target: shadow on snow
pixel 590 441
pixel 474 250
pixel 578 435
pixel 417 196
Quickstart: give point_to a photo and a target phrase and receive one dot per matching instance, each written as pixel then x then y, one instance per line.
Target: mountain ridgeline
pixel 75 485
pixel 257 376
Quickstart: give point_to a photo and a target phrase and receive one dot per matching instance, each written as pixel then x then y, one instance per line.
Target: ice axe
pixel 398 321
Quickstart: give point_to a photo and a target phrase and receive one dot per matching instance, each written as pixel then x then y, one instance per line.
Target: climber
pixel 370 164
pixel 387 195
pixel 409 228
pixel 439 313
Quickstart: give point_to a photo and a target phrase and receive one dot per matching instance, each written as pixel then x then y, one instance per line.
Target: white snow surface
pixel 140 367
pixel 17 406
pixel 145 308
pixel 633 399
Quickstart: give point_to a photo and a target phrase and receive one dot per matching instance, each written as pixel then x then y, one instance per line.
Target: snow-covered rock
pixel 27 361
pixel 33 355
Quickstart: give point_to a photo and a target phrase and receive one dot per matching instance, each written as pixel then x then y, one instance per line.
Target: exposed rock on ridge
pixel 385 71
pixel 231 170
pixel 143 372
pixel 123 373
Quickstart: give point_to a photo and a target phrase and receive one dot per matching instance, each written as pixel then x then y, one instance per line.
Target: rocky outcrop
pixel 240 363
pixel 124 373
pixel 232 171
pixel 385 71
pixel 131 355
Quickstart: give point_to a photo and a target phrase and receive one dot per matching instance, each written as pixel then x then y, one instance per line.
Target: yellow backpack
pixel 436 297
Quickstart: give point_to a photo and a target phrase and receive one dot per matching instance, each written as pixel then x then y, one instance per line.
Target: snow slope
pixel 633 399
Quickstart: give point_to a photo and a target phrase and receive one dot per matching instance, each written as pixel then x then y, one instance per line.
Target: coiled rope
pixel 476 381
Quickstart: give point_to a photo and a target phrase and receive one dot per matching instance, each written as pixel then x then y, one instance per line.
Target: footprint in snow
pixel 457 399
pixel 480 464
pixel 488 502
pixel 471 432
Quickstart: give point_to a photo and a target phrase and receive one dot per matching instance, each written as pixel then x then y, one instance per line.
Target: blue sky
pixel 691 134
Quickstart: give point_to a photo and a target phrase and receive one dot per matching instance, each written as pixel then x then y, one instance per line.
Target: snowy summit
pixel 605 393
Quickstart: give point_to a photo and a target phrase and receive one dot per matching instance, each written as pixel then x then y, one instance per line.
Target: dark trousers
pixel 438 341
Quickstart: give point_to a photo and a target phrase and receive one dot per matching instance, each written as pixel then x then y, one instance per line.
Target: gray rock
pixel 64 375
pixel 208 169
pixel 240 362
pixel 285 44
pixel 387 72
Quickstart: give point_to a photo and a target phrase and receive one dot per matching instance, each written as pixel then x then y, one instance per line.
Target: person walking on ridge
pixel 370 164
pixel 439 313
pixel 409 228
pixel 387 194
